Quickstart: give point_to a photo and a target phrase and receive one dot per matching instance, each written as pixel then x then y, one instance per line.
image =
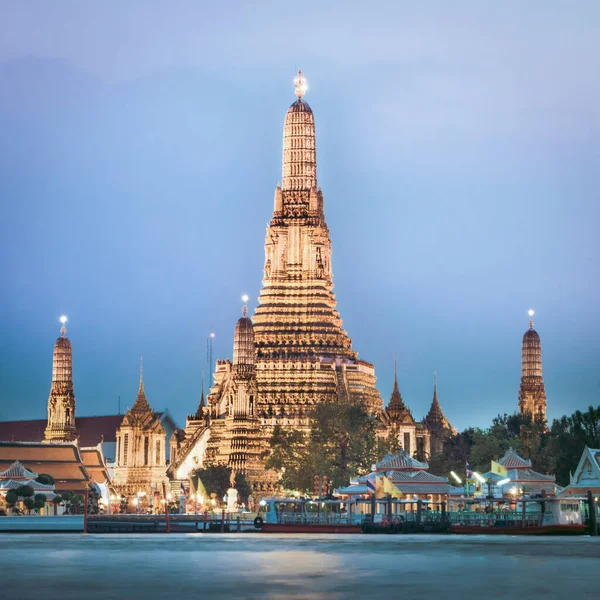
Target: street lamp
pixel 456 477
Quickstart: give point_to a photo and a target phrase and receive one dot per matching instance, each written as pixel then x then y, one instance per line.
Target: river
pixel 248 566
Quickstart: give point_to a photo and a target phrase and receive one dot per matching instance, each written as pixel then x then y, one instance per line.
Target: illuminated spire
pixel 61 402
pixel 532 393
pixel 531 313
pixel 300 86
pixel 245 307
pixel 63 330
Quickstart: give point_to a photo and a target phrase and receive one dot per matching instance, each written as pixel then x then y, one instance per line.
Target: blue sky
pixel 458 147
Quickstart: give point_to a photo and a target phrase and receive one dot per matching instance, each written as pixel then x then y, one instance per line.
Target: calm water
pixel 95 567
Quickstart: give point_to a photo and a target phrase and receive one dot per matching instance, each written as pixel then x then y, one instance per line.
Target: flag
pixel 391 489
pixel 498 469
pixel 370 486
pixel 379 491
pixel 469 472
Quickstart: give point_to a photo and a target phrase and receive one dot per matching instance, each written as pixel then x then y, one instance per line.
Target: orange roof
pixel 62 461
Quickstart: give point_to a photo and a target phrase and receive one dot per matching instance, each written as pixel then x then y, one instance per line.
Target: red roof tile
pixel 90 429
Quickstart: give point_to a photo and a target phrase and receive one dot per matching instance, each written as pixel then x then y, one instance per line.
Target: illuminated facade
pixel 532 393
pixel 61 402
pixel 142 449
pixel 293 353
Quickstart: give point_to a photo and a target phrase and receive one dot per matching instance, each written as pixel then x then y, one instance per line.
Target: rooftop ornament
pixel 300 85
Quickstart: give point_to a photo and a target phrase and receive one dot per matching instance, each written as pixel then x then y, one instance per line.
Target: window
pixel 157 457
pixel 125 448
pixel 146 449
pixel 118 448
pixel 407 442
pixel 421 448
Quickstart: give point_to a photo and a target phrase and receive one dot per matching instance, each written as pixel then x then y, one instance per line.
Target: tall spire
pixel 396 406
pixel 141 404
pixel 243 342
pixel 532 392
pixel 299 147
pixel 61 402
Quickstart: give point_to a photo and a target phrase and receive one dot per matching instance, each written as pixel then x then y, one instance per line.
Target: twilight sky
pixel 458 149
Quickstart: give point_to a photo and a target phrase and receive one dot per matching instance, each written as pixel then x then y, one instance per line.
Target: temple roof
pixel 511 460
pixel 17 471
pixel 141 405
pixel 396 410
pixel 435 417
pixel 400 461
pixel 91 430
pixel 60 460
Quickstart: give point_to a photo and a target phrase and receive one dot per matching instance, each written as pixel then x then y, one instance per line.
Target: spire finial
pixel 245 307
pixel 141 374
pixel 531 313
pixel 63 319
pixel 202 392
pixel 300 86
pixel 434 381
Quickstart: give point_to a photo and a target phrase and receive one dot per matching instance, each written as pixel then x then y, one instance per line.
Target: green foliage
pixel 45 479
pixel 557 450
pixel 342 442
pixel 214 479
pixel 29 503
pixel 568 438
pixel 57 499
pixel 11 498
pixel 242 486
pixel 39 501
pixel 24 491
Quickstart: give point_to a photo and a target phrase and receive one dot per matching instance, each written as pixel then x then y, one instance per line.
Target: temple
pixel 294 352
pixel 61 403
pixel 142 448
pixel 532 393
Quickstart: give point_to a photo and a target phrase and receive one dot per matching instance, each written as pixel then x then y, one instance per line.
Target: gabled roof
pixel 400 461
pixel 587 473
pixel 17 471
pixel 95 465
pixel 511 460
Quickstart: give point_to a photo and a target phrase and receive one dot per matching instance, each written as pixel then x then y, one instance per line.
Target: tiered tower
pixel 142 448
pixel 437 423
pixel 303 356
pixel 532 393
pixel 61 402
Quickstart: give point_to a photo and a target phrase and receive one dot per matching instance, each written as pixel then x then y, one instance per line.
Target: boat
pixel 298 515
pixel 525 516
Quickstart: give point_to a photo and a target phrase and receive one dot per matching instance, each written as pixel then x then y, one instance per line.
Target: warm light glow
pixel 212 335
pixel 169 496
pixel 513 491
pixel 135 501
pixel 300 85
pixel 245 298
pixel 200 499
pixel 531 312
pixel 63 319
pixel 458 479
pixel 504 481
pixel 262 503
pixel 213 501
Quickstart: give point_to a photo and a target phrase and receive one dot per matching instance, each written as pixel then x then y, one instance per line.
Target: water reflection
pixel 103 567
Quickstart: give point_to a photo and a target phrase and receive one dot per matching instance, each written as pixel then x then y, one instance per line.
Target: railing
pixel 508 519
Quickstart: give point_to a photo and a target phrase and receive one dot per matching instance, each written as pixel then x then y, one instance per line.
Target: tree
pixel 24 491
pixel 39 501
pixel 45 479
pixel 28 503
pixel 56 501
pixel 342 442
pixel 568 438
pixel 11 498
pixel 244 489
pixel 214 479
